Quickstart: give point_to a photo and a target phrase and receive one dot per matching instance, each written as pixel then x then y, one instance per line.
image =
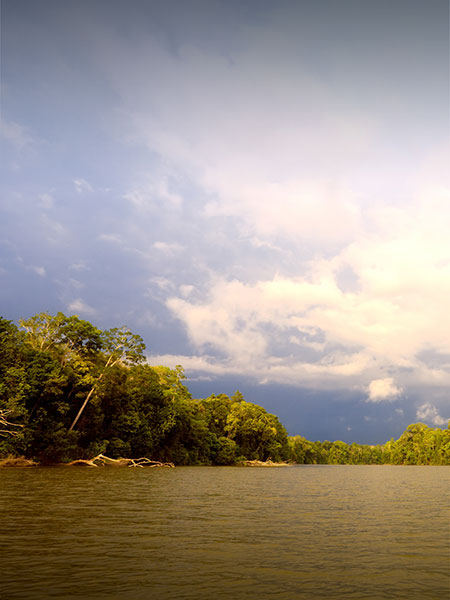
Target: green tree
pixel 216 411
pixel 301 450
pixel 258 434
pixel 339 453
pixel 119 346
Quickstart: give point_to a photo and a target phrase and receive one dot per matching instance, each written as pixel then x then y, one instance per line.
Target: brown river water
pixel 210 533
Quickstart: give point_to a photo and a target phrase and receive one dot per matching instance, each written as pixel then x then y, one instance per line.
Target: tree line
pixel 69 390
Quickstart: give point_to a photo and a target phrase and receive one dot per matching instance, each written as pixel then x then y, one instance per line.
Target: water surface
pixel 304 532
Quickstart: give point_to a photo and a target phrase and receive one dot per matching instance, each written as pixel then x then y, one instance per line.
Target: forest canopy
pixel 69 390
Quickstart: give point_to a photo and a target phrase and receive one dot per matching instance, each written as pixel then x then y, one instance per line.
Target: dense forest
pixel 69 390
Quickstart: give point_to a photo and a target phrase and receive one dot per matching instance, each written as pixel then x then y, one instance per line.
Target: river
pixel 210 533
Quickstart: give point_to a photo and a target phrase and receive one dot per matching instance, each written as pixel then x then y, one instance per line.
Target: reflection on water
pixel 305 532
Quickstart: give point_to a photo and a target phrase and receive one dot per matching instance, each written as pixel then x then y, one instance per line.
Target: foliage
pixel 418 445
pixel 70 391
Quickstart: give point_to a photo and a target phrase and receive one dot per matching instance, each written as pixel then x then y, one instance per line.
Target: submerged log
pixel 105 461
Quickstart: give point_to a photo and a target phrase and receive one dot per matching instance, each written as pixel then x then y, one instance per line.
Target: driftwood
pixel 264 463
pixel 105 461
pixel 17 461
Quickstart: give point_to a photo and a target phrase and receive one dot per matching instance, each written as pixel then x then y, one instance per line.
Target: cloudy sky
pixel 258 188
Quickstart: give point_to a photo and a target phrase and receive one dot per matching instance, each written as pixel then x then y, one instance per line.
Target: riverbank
pixel 105 461
pixel 97 461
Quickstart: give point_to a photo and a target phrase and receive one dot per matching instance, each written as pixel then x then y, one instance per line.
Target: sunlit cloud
pixel 397 310
pixel 186 290
pixel 428 412
pixel 380 390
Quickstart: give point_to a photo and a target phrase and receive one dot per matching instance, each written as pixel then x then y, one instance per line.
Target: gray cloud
pixel 257 189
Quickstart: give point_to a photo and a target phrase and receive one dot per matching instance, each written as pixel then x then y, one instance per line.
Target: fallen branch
pixel 17 461
pixel 105 461
pixel 264 463
pixel 147 462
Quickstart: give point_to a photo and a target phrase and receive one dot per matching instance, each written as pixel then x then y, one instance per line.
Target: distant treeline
pixel 69 390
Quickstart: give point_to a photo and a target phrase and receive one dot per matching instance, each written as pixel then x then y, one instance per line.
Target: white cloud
pixel 54 231
pixel 137 198
pixel 429 413
pixel 316 212
pixel 79 266
pixel 18 135
pixel 192 363
pixel 186 290
pixel 164 192
pixel 78 285
pixel 162 283
pixel 40 271
pixel 381 390
pixel 110 237
pixel 154 193
pixel 82 186
pixel 258 243
pixel 79 306
pixel 167 246
pixel 401 260
pixel 46 201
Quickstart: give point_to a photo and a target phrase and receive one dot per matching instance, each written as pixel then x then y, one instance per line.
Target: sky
pixel 259 189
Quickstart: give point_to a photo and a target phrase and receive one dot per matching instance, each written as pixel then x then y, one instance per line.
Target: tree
pixel 43 330
pixel 301 450
pixel 216 411
pixel 138 413
pixel 14 387
pixel 338 453
pixel 119 346
pixel 73 345
pixel 171 381
pixel 258 434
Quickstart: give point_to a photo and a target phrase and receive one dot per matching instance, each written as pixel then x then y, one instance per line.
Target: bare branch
pixel 102 461
pixel 4 423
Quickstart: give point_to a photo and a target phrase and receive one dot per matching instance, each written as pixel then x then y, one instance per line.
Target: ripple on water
pixel 226 533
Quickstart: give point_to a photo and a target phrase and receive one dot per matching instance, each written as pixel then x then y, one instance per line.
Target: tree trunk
pixel 88 397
